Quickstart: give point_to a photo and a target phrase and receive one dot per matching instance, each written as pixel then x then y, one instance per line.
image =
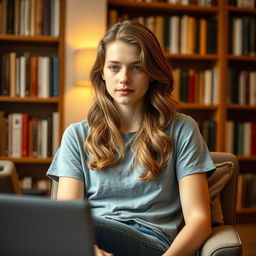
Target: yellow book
pixel 191 35
pixel 202 35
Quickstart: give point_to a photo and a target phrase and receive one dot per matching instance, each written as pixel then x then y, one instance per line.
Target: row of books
pixel 179 34
pixel 29 75
pixel 208 131
pixel 196 86
pixel 243 3
pixel 243 32
pixel 242 87
pixel 183 2
pixel 25 136
pixel 246 191
pixel 30 17
pixel 240 138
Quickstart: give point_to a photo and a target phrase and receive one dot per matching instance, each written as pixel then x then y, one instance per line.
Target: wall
pixel 85 25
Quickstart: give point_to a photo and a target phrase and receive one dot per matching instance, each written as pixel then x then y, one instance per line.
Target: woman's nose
pixel 125 77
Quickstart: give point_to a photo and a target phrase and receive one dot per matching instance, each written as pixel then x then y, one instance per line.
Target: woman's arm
pixel 196 211
pixel 70 189
pixel 73 189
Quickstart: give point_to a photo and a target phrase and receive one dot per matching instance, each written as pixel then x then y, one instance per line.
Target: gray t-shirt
pixel 117 193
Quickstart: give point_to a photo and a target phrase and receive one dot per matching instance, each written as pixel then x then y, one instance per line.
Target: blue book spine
pixel 55 76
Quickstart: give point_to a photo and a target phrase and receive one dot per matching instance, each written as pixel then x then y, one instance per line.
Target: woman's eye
pixel 136 68
pixel 114 67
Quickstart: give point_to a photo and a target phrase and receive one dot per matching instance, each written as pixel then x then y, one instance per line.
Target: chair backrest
pixel 9 181
pixel 228 194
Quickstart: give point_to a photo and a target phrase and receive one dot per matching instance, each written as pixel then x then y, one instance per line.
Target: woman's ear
pixel 102 76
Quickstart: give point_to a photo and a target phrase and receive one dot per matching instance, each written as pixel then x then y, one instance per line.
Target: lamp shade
pixel 84 60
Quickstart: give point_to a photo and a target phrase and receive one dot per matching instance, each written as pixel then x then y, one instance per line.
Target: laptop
pixel 37 226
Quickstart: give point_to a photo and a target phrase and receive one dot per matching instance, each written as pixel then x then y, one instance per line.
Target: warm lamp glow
pixel 84 60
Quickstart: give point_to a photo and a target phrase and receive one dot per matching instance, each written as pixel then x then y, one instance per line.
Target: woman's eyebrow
pixel 118 62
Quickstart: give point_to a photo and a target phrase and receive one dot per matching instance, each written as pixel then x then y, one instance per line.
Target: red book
pixel 253 139
pixel 25 138
pixel 192 86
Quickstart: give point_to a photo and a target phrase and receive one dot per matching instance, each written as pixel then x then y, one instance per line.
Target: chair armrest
pixel 223 241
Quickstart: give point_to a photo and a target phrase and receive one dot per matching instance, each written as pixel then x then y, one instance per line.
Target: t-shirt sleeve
pixel 67 160
pixel 191 152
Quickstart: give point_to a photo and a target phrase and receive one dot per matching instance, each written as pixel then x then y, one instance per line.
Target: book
pixel 174 34
pixel 16 127
pixel 25 136
pixel 43 77
pixel 202 36
pixel 12 74
pixel 54 76
pixel 55 18
pixel 55 131
pixel 237 38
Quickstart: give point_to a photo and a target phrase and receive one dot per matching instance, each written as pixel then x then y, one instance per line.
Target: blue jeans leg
pixel 123 240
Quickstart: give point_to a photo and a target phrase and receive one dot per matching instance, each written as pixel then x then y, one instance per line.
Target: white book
pixel 237 36
pixel 252 81
pixel 184 35
pixel 229 138
pixel 22 79
pixel 247 138
pixel 43 77
pixel 208 87
pixel 55 18
pixel 16 135
pixel 55 131
pixel 215 86
pixel 173 1
pixel 27 18
pixel 44 141
pixel 185 2
pixel 241 88
pixel 174 34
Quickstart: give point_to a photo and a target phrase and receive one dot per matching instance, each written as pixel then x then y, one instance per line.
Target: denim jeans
pixel 130 239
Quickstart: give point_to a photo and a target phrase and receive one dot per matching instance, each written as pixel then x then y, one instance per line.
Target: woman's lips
pixel 125 91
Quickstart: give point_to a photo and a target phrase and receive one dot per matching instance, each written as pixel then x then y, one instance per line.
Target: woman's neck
pixel 131 117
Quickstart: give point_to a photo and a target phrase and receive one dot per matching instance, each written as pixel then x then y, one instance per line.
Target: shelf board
pixel 19 38
pixel 242 58
pixel 158 7
pixel 28 160
pixel 196 106
pixel 239 10
pixel 28 100
pixel 240 107
pixel 210 57
pixel 246 215
pixel 246 158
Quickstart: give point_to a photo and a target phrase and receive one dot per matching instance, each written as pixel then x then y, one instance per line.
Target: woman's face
pixel 125 79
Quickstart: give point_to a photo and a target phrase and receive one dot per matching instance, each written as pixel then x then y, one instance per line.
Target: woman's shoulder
pixel 183 120
pixel 78 128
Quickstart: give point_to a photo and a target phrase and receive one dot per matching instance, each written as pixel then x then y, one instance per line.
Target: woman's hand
pixel 99 252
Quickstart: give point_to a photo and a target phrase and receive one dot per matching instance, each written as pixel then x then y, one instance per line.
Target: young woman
pixel 141 165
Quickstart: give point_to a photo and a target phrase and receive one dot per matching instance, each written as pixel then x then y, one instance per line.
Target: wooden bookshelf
pixel 45 45
pixel 223 60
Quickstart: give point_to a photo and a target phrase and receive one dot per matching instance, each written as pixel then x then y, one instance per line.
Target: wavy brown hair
pixel 151 145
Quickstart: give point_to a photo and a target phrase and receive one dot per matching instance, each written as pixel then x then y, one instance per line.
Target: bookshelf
pixel 222 59
pixel 33 90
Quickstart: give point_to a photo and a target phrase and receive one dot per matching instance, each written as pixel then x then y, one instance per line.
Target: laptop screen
pixel 35 226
